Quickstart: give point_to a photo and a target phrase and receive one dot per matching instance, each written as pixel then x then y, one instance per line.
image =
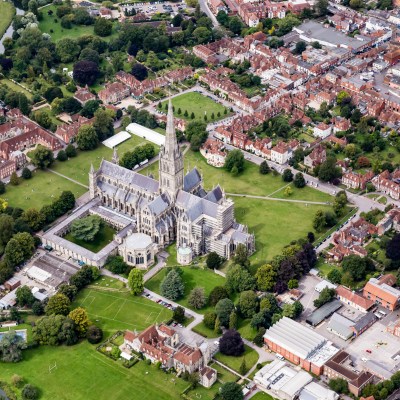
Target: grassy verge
pixel 250 356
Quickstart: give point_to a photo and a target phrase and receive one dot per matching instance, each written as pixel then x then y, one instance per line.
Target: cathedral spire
pixel 171 144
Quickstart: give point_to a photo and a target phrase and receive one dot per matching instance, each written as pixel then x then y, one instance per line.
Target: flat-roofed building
pixel 299 344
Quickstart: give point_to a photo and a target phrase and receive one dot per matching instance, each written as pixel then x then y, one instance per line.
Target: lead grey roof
pixel 196 206
pixel 323 312
pixel 364 321
pixel 191 180
pixel 159 204
pixel 341 325
pixel 215 195
pixel 129 177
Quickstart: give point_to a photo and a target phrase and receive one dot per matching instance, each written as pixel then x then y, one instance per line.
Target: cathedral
pixel 175 208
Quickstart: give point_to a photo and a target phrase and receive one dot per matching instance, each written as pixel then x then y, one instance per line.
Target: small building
pixel 322 130
pixel 324 284
pixel 9 300
pixel 12 283
pixel 138 250
pixel 340 326
pixel 394 328
pixel 184 255
pixel 362 324
pixel 325 311
pixel 207 376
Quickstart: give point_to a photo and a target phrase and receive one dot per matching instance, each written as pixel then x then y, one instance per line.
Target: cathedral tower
pixel 171 159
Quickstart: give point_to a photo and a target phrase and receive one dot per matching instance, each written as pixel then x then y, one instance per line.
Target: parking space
pixel 307 286
pixel 156 7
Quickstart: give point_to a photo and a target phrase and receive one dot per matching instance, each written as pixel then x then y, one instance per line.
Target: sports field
pixel 118 310
pixel 199 105
pixel 192 277
pixel 82 373
pixel 41 189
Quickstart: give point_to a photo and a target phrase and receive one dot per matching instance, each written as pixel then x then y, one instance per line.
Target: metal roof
pixel 323 312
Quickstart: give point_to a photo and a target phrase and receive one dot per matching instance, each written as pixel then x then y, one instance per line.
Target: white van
pixel 382 312
pixel 279 356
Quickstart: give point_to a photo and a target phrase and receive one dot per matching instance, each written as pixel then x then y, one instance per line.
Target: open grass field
pixel 41 189
pixel 84 374
pixel 102 239
pixel 223 374
pixel 250 355
pixel 192 277
pixel 119 310
pixel 274 223
pixel 198 104
pixel 78 167
pixel 306 193
pixel 13 86
pixel 51 24
pixel 7 12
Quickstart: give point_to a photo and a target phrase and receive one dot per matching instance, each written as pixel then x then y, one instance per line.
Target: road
pixel 204 7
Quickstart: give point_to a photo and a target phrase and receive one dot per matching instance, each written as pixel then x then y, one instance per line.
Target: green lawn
pixel 78 167
pixel 102 239
pixel 246 330
pixel 223 374
pixel 13 86
pixel 274 223
pixel 250 355
pixel 41 189
pixel 262 396
pixel 119 310
pixel 203 330
pixel 306 193
pixel 7 12
pixel 82 373
pixel 324 268
pixel 49 25
pixel 192 277
pixel 108 282
pixel 198 104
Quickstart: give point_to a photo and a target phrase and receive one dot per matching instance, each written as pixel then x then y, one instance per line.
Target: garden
pixel 197 105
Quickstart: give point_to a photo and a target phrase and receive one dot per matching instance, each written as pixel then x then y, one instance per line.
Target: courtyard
pixel 102 239
pixel 199 105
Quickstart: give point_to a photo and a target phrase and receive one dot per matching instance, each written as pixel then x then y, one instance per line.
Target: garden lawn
pixel 324 268
pixel 78 167
pixel 48 24
pixel 223 374
pixel 250 355
pixel 7 12
pixel 41 189
pixel 306 193
pixel 274 223
pixel 192 277
pixel 198 104
pixel 246 330
pixel 203 330
pixel 82 373
pixel 262 396
pixel 102 239
pixel 108 282
pixel 13 86
pixel 116 310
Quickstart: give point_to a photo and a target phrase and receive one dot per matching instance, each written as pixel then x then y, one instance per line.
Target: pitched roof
pixel 191 180
pixel 354 297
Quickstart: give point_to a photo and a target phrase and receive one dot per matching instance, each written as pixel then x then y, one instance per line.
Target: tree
pixel 68 290
pixel 86 228
pixel 223 310
pixel 243 367
pixel 33 218
pixel 217 326
pixel 6 228
pixel 239 279
pixel 202 35
pixel 356 266
pixel 14 179
pixel 2 187
pixel 235 158
pixel 293 284
pixel 393 248
pixel 172 286
pixel 300 47
pixel 41 157
pixel 241 256
pixel 135 281
pixel 235 25
pixel 328 170
pixel 214 261
pixel 218 293
pixel 335 276
pixel 324 297
pixel 231 343
pixel 233 320
pixel 139 71
pixel 81 320
pixel 231 391
pixel 209 320
pixel 62 156
pixel 11 346
pixel 94 334
pixel 264 168
pixel 179 315
pixel 319 222
pixel 29 392
pixel 248 303
pixel 104 123
pixel 266 277
pixel 52 93
pixel 19 248
pixel 287 175
pixel 26 173
pixel 116 265
pixel 197 298
pixel 54 330
pixel 299 180
pixel 292 310
pixel 24 296
pixel 102 27
pixel 85 72
pixel 86 138
pixel 339 203
pixel 321 7
pixel 58 304
pixel 67 49
pixel 339 385
pixel 70 150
